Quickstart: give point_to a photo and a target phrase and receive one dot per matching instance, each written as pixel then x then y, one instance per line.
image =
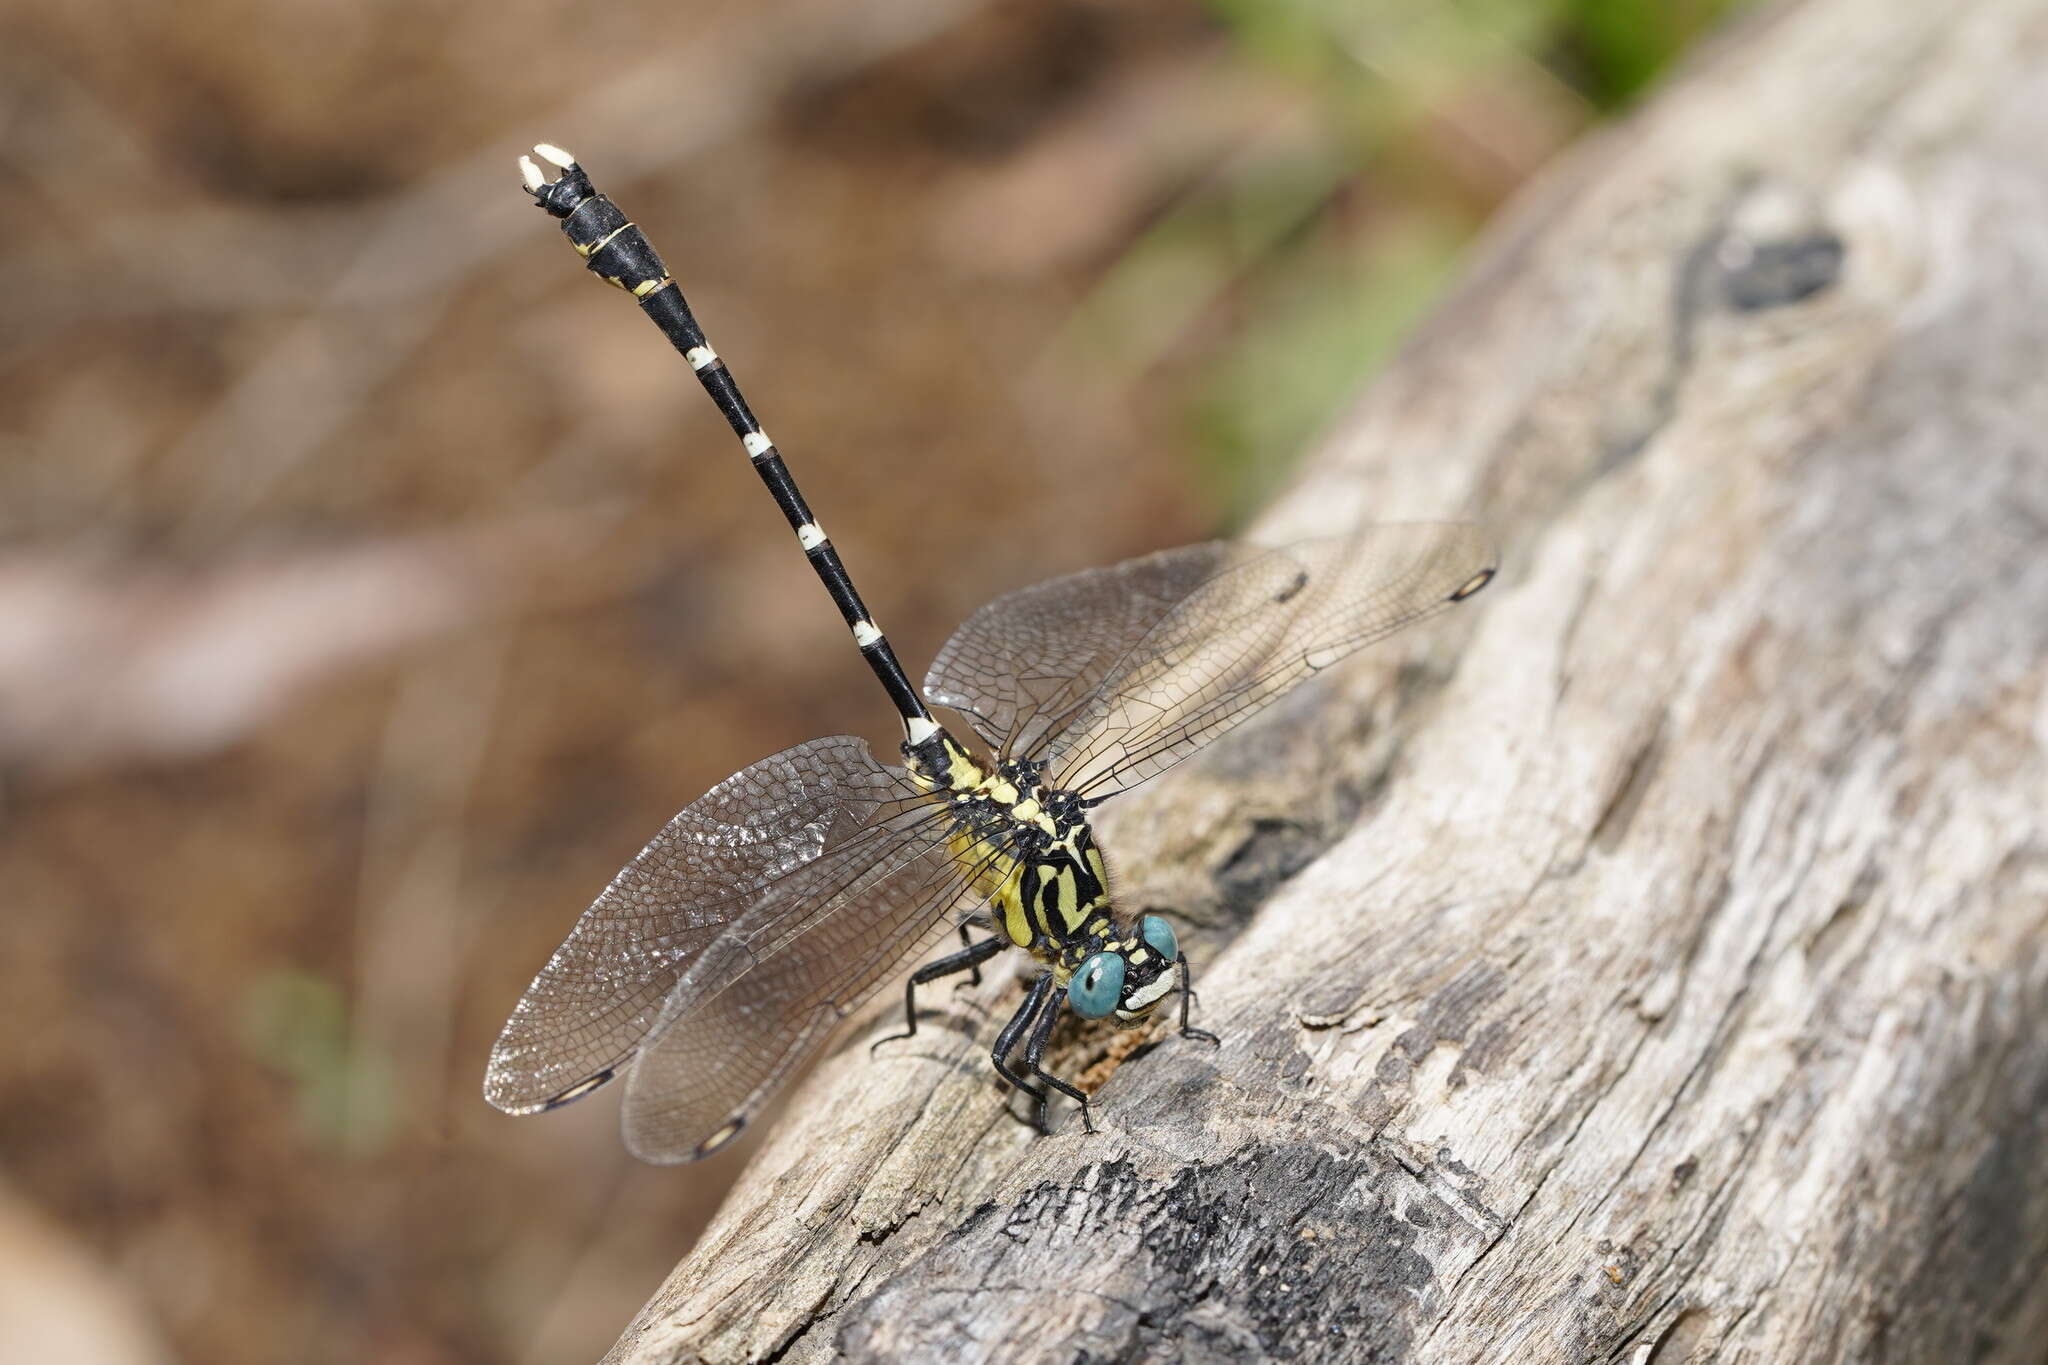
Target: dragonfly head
pixel 1128 979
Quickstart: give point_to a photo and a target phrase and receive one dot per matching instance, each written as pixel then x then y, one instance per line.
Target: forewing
pixel 800 822
pixel 769 993
pixel 1020 667
pixel 1261 624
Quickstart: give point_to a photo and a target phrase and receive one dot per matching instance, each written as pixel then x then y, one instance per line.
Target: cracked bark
pixel 1644 965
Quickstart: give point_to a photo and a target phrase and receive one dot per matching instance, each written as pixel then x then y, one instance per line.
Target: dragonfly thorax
pixel 1028 847
pixel 1032 853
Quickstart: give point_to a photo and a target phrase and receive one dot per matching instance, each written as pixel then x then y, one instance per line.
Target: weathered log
pixel 1644 965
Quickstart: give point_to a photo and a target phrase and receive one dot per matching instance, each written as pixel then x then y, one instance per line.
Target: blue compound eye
pixel 1158 936
pixel 1097 987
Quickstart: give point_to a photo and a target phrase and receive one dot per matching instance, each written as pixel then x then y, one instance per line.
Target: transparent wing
pixel 1266 620
pixel 768 994
pixel 793 830
pixel 1021 666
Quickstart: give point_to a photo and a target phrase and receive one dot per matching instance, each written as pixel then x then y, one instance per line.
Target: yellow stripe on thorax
pixel 1000 879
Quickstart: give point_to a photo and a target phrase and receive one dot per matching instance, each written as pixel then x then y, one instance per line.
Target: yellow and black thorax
pixel 1029 849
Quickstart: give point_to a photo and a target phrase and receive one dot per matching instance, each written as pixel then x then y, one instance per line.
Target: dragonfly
pixel 726 955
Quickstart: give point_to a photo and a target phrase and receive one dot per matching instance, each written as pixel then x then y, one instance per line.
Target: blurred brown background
pixel 374 582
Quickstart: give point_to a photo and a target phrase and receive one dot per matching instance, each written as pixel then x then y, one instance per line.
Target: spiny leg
pixel 967 959
pixel 1034 1052
pixel 1006 1041
pixel 1187 998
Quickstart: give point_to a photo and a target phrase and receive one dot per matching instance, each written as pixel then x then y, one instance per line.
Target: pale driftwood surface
pixel 1660 974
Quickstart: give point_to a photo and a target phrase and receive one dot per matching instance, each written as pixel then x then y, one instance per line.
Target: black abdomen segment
pixel 619 253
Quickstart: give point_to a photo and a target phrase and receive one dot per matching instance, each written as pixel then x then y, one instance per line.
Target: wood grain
pixel 1645 964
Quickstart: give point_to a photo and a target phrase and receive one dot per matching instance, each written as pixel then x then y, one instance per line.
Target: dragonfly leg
pixel 973 968
pixel 1187 998
pixel 967 959
pixel 1020 1022
pixel 1034 1052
